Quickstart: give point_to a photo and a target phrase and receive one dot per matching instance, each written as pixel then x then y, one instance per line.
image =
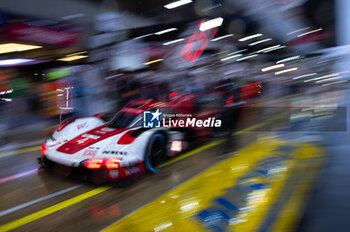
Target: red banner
pixel 41 34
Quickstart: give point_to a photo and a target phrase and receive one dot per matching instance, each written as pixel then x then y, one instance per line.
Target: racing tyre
pixel 155 152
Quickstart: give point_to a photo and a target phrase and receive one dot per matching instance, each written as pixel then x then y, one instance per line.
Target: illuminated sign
pixel 58 74
pixel 190 52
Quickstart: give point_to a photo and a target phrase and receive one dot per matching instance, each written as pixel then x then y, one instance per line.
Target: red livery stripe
pixel 127 138
pixel 89 138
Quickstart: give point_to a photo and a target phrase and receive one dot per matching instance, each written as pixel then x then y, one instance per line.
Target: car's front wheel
pixel 155 152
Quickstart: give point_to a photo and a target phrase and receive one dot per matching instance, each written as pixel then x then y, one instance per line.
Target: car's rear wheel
pixel 155 152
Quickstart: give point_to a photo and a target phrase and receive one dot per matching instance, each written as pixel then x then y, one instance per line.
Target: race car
pixel 113 150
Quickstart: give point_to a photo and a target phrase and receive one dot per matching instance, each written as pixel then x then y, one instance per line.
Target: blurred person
pixel 19 106
pixel 231 111
pixel 48 98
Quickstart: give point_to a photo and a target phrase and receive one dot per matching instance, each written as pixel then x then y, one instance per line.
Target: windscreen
pixel 125 120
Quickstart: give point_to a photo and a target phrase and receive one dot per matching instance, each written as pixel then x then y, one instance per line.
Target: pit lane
pixel 39 199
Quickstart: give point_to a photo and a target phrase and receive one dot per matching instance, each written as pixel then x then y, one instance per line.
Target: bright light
pixel 94 163
pixel 211 24
pixel 77 53
pixel 322 77
pixel 153 61
pixel 143 36
pixel 272 48
pixel 272 67
pixel 302 29
pixel 260 41
pixel 189 206
pixel 43 149
pixel 173 41
pixel 6 92
pixel 249 37
pixel 230 57
pixel 329 79
pixel 165 31
pixel 286 70
pixel 288 59
pixel 177 4
pixel 222 37
pixel 336 82
pixel 306 75
pixel 112 163
pixel 309 32
pixel 6 99
pixel 247 57
pixel 176 146
pixel 14 61
pixel 162 227
pixel 232 53
pixel 71 58
pixel 16 47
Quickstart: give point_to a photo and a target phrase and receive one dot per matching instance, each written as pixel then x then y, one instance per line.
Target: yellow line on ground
pixel 214 143
pixel 20 151
pixel 37 148
pixel 42 213
pixel 249 128
pixel 193 152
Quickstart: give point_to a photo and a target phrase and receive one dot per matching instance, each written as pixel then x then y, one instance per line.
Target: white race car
pixel 112 150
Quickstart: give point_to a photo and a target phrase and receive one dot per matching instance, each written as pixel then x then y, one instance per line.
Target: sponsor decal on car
pixel 107 129
pixel 114 173
pixel 91 151
pixel 114 152
pixel 82 125
pixel 133 170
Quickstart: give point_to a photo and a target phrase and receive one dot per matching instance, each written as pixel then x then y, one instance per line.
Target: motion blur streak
pixel 286 70
pixel 260 41
pixel 193 152
pixel 301 29
pixel 21 151
pixel 272 67
pixel 19 175
pixel 71 58
pixel 249 37
pixel 153 61
pixel 177 4
pixel 247 57
pixel 222 37
pixel 211 24
pixel 16 47
pixel 42 213
pixel 309 32
pixel 172 42
pixel 16 208
pixel 215 143
pixel 209 200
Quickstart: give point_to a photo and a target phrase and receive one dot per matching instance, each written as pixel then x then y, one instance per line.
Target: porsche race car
pixel 113 150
